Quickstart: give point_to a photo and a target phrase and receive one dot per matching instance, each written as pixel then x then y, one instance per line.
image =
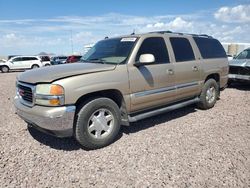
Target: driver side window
pixel 17 59
pixel 155 46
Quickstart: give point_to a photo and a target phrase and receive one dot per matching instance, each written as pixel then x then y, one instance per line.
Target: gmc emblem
pixel 21 92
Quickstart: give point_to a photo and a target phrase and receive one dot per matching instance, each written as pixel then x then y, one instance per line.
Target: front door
pixel 16 63
pixel 151 85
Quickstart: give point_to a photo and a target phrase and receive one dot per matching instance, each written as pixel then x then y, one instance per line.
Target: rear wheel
pixel 209 94
pixel 5 69
pixel 35 66
pixel 98 123
pixel 47 65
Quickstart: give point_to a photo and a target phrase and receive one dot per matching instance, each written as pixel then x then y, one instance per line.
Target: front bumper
pixel 239 77
pixel 57 121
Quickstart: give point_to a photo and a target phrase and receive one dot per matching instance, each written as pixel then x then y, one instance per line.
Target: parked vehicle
pixel 45 60
pixel 229 57
pixel 21 62
pixel 56 60
pixel 73 58
pixel 239 68
pixel 122 80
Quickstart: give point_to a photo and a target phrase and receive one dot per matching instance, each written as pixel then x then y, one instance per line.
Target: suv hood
pixel 239 63
pixel 51 73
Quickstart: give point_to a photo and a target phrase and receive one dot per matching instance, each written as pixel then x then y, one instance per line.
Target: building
pixel 235 48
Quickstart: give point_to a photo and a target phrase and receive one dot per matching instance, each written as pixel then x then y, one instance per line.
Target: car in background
pixel 73 58
pixel 45 60
pixel 10 56
pixel 2 60
pixel 20 63
pixel 239 67
pixel 57 60
pixel 229 57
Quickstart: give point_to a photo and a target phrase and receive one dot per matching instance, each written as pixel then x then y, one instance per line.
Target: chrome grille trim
pixel 29 98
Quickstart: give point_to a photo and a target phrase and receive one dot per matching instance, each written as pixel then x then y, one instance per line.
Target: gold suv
pixel 122 80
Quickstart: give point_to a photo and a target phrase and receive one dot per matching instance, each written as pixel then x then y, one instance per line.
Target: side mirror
pixel 145 59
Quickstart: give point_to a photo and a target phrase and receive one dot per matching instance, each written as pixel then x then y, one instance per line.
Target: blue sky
pixel 32 26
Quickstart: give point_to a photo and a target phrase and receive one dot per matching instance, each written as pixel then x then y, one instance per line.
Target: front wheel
pixel 209 94
pixel 98 123
pixel 5 69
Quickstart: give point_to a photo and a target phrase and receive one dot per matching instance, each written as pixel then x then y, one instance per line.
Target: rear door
pixel 26 62
pixel 187 68
pixel 151 85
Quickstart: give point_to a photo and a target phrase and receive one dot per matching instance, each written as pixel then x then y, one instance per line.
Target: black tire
pixel 206 100
pixel 35 66
pixel 47 65
pixel 93 108
pixel 5 69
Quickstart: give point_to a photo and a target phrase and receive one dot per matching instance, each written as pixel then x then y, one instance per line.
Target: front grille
pixel 26 93
pixel 239 70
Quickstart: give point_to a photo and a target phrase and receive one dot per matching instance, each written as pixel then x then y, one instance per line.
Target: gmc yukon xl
pixel 122 80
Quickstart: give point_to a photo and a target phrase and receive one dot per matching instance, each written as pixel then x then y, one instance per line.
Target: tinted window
pixel 25 58
pixel 210 48
pixel 155 46
pixel 45 58
pixel 17 59
pixel 182 49
pixel 244 55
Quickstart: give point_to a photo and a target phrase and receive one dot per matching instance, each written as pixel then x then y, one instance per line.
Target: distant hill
pixel 45 53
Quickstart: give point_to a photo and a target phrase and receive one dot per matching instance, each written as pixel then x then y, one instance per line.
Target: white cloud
pixel 30 36
pixel 237 14
pixel 178 24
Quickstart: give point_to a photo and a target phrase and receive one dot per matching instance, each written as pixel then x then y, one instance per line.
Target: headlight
pixel 49 95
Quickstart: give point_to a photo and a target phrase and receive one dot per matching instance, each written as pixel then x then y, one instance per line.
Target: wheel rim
pixel 210 94
pixel 34 67
pixel 100 123
pixel 5 69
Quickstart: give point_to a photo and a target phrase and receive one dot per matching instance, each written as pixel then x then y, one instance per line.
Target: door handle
pixel 170 71
pixel 195 68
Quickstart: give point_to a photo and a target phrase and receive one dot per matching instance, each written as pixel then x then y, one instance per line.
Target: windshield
pixel 244 55
pixel 113 51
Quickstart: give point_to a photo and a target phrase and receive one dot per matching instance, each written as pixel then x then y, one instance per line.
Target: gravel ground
pixel 183 148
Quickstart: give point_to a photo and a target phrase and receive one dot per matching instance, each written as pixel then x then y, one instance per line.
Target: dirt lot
pixel 183 148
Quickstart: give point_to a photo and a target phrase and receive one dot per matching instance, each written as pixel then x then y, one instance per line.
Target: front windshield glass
pixel 113 51
pixel 244 55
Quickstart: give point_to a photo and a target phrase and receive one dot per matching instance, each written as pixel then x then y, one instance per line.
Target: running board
pixel 162 110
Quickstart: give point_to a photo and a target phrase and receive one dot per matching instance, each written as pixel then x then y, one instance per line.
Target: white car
pixel 21 62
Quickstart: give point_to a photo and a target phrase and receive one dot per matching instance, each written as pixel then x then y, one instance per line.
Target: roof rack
pixel 194 35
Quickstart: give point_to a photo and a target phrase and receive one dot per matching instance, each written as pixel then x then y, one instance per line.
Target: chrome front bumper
pixel 57 121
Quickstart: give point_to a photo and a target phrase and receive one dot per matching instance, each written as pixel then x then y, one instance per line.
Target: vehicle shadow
pixel 67 144
pixel 240 86
pixel 159 119
pixel 70 144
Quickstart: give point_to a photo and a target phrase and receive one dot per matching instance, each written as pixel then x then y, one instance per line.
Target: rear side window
pixel 155 46
pixel 182 49
pixel 210 48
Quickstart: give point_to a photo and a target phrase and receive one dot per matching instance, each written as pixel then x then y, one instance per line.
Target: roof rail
pixel 179 33
pixel 161 32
